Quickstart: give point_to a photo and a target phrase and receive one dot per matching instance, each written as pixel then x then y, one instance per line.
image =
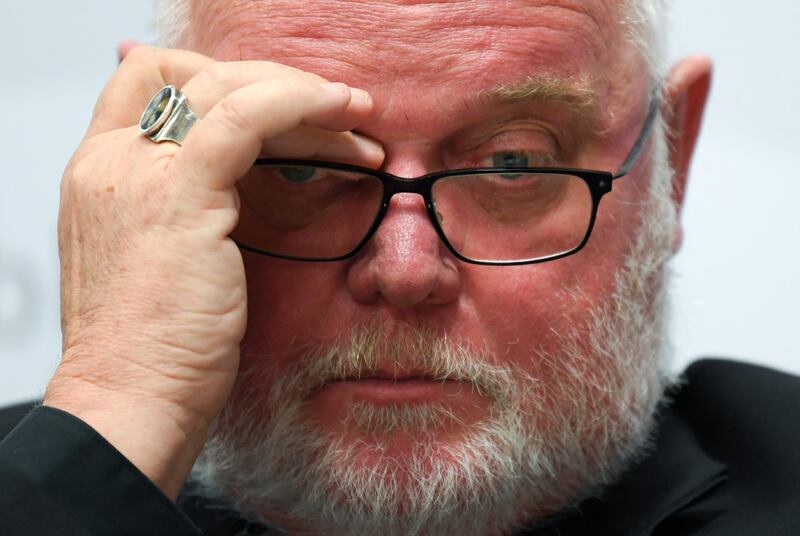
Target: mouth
pixel 398 374
pixel 395 386
pixel 392 387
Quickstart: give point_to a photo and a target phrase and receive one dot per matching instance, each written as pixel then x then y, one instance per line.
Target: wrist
pixel 159 438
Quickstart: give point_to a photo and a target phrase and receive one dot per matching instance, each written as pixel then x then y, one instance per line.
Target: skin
pixel 152 390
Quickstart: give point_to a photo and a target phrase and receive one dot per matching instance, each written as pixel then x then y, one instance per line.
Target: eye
pixel 297 173
pixel 513 159
pixel 510 159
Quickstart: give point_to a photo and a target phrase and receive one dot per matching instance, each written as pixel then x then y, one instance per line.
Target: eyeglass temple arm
pixel 647 128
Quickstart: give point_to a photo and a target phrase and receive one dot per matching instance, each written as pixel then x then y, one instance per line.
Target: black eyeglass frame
pixel 598 182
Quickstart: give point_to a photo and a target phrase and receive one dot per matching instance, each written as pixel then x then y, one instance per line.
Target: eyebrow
pixel 569 93
pixel 565 91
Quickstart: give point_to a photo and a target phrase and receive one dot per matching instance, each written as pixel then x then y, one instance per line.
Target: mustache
pixel 394 351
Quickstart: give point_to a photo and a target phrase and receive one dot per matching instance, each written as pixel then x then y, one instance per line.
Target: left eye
pixel 510 159
pixel 298 173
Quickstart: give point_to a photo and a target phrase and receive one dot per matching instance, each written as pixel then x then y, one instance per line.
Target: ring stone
pixel 167 116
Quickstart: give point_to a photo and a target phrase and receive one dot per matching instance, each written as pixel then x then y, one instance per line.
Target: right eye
pixel 510 159
pixel 297 173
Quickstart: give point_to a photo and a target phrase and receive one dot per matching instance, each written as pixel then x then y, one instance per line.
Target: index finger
pixel 141 74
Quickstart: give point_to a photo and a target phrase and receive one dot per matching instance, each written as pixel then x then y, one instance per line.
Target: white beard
pixel 543 446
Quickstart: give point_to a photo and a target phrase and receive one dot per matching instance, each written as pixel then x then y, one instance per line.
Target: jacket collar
pixel 674 474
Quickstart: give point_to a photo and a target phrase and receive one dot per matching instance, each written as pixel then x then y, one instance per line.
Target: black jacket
pixel 725 461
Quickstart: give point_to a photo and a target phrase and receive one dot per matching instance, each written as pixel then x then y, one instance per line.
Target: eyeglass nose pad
pixel 405 194
pixel 407 220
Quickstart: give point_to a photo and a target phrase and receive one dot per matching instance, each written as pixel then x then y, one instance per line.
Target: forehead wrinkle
pixel 433 29
pixel 408 60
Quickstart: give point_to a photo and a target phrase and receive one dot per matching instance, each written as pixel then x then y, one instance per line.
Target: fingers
pixel 144 71
pixel 219 79
pixel 358 109
pixel 246 109
pixel 223 145
pixel 319 144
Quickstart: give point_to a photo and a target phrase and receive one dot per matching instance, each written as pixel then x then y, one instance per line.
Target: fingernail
pixel 360 96
pixel 336 87
pixel 369 146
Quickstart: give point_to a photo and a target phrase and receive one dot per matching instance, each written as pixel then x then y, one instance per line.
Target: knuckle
pixel 87 182
pixel 79 171
pixel 287 88
pixel 233 111
pixel 150 63
pixel 140 56
pixel 216 73
pixel 287 71
pixel 226 76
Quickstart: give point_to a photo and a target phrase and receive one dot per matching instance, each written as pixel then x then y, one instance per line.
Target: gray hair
pixel 171 21
pixel 645 21
pixel 647 28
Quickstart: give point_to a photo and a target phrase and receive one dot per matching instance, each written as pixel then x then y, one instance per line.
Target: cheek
pixel 526 310
pixel 289 304
pixel 520 311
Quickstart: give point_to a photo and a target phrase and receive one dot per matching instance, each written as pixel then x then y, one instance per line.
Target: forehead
pixel 409 39
pixel 408 51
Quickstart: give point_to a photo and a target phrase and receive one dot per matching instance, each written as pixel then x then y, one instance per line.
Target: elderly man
pixel 350 273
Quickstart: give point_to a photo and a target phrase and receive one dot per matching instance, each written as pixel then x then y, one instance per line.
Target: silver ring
pixel 167 116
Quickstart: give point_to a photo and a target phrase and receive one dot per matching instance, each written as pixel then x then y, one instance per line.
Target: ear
pixel 685 100
pixel 124 47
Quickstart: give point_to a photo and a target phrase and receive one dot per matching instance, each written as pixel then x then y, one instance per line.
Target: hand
pixel 153 290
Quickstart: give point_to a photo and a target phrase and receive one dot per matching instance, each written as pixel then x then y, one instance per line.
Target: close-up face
pixel 405 361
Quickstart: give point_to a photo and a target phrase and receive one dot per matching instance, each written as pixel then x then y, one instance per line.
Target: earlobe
pixel 686 94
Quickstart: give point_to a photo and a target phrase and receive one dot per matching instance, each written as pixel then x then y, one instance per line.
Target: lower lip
pixel 388 391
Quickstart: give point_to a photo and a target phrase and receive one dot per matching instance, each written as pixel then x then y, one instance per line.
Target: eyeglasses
pixel 309 210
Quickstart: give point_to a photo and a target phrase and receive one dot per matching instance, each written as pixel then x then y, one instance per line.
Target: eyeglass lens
pixel 316 212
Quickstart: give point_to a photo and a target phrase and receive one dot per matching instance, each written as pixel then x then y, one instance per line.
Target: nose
pixel 405 263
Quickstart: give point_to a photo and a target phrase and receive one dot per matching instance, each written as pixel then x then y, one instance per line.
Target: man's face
pixel 434 70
